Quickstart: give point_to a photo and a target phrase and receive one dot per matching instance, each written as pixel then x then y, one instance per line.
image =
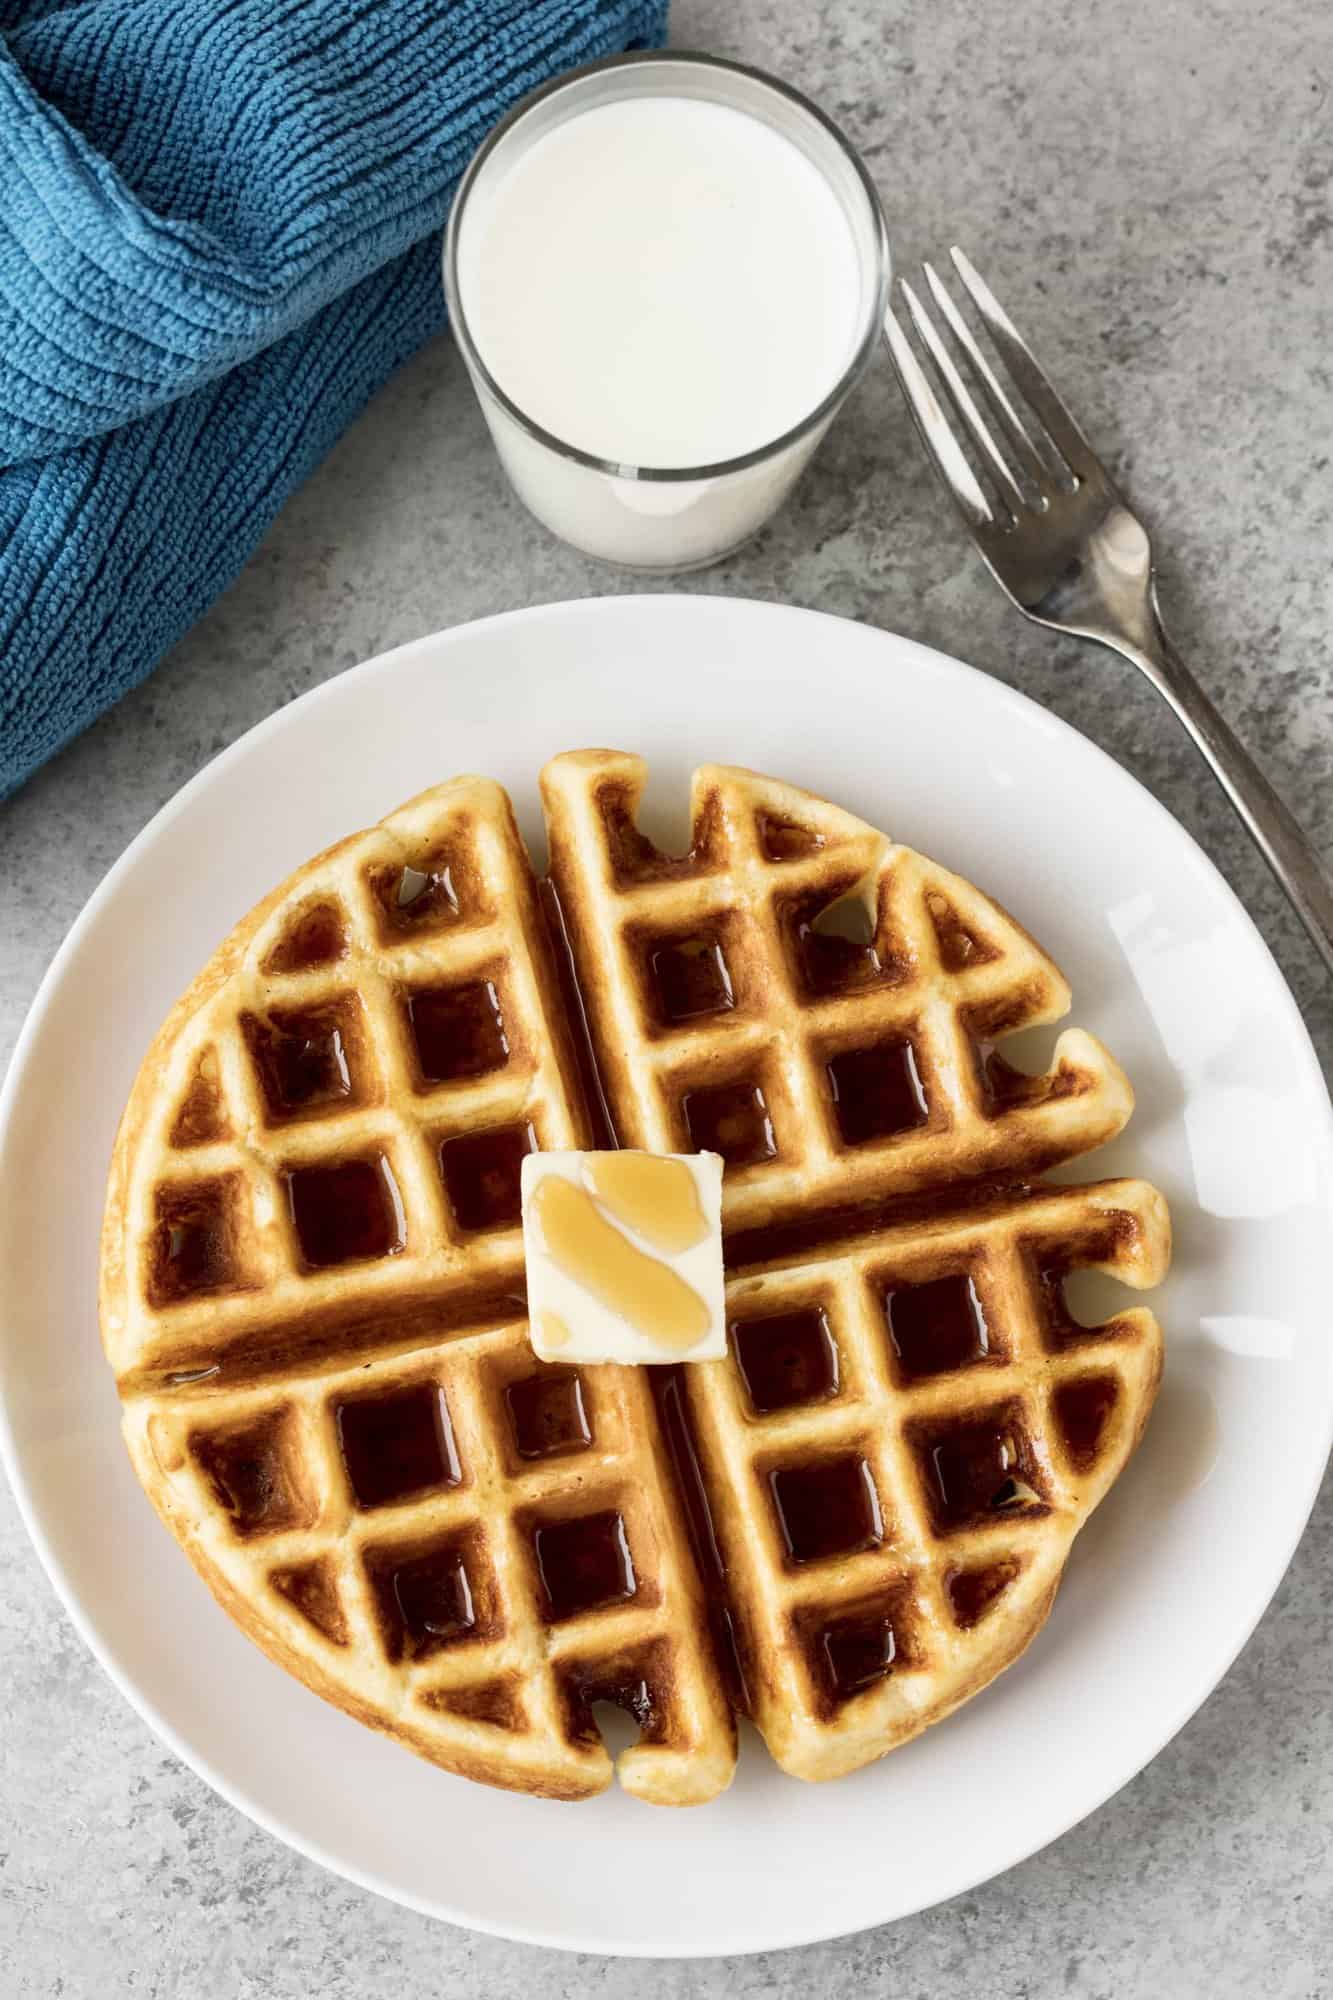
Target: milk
pixel 665 283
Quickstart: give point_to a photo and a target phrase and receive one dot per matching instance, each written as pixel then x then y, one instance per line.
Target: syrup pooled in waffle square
pixel 312 1285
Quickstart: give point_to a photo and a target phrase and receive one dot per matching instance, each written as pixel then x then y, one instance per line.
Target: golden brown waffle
pixel 312 1286
pixel 312 1293
pixel 910 1429
pixel 826 1070
pixel 906 1438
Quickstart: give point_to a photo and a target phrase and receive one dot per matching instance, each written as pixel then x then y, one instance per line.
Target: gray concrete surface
pixel 1150 185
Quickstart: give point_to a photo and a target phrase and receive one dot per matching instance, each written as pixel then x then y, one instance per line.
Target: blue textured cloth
pixel 219 226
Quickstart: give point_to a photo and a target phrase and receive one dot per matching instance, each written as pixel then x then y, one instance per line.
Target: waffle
pixel 312 1294
pixel 910 1427
pixel 312 1285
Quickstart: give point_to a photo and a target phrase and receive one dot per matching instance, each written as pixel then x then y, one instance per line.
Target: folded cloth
pixel 219 226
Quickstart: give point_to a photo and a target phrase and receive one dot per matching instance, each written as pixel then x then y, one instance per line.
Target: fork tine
pixel 990 381
pixel 936 434
pixel 1018 358
pixel 959 394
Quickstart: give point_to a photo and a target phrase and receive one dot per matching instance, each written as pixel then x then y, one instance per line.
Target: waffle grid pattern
pixel 440 1596
pixel 943 971
pixel 433 1616
pixel 312 1285
pixel 837 1516
pixel 256 1269
pixel 937 1447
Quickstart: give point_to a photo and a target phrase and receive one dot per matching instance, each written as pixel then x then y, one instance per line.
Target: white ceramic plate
pixel 1233 1123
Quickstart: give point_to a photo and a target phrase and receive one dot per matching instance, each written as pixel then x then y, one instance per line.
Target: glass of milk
pixel 665 273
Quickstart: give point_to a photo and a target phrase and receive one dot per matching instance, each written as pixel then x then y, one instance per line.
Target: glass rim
pixel 617 469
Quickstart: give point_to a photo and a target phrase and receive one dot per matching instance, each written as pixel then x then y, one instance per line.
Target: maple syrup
pixel 346 1212
pixel 602 1131
pixel 1082 1411
pixel 646 1293
pixel 247 1471
pixel 457 1031
pixel 857 1653
pixel 829 1508
pixel 193 1246
pixel 482 1175
pixel 836 941
pixel 959 947
pixel 657 1198
pixel 310 1587
pixel 633 1696
pixel 973 1591
pixel 635 858
pixel 1062 1328
pixel 877 1092
pixel 977 1469
pixel 1008 1089
pixel 425 1601
pixel 786 1359
pixel 668 1389
pixel 937 1326
pixel 584 1563
pixel 689 977
pixel 833 964
pixel 316 936
pixel 396 1445
pixel 201 1118
pixel 411 900
pixel 547 1418
pixel 302 1058
pixel 731 1119
pixel 496 1702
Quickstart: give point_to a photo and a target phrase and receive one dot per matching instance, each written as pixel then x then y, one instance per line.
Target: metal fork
pixel 1065 547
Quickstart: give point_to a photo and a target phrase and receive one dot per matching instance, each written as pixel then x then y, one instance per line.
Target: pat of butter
pixel 624 1256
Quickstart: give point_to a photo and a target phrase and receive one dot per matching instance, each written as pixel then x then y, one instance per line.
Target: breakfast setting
pixel 665 1148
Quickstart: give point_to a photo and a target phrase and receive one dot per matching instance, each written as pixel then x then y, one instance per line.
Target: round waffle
pixel 312 1285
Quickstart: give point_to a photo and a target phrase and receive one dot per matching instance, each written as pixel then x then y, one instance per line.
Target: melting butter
pixel 656 1198
pixel 591 1251
pixel 555 1331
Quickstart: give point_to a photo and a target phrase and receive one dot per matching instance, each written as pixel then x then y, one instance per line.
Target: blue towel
pixel 219 235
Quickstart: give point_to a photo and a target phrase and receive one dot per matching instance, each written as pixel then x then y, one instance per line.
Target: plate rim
pixel 678 604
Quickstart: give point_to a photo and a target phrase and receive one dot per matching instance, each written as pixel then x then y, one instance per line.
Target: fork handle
pixel 1284 846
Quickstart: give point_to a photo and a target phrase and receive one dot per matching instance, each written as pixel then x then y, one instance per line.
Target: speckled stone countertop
pixel 1150 187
